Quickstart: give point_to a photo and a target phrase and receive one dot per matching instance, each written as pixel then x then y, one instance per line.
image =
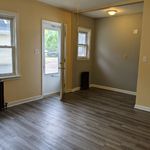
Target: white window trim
pixel 16 71
pixel 89 32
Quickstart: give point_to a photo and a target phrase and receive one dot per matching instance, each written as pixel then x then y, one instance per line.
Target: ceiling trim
pixel 119 4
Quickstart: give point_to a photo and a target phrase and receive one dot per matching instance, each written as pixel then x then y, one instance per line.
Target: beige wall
pixel 117 52
pixel 81 65
pixel 143 89
pixel 31 13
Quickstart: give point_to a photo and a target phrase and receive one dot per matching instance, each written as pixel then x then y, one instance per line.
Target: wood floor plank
pixel 86 120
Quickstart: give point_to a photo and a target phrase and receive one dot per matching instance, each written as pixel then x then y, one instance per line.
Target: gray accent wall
pixel 117 47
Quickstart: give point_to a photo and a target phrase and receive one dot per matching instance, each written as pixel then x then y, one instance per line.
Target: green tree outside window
pixel 51 40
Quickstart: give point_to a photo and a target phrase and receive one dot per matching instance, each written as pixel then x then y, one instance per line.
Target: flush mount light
pixel 112 12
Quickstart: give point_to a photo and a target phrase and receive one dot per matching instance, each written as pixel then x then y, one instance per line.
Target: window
pixel 8 46
pixel 84 36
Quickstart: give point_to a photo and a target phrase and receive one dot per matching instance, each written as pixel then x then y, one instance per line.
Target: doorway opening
pixel 53 47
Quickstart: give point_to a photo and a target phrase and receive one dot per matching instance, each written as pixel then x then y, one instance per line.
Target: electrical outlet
pixel 125 56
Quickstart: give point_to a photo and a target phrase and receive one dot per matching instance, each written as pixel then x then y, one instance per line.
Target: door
pixel 62 60
pixel 53 58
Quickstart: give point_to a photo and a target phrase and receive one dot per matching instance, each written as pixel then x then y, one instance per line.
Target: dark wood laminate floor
pixel 86 120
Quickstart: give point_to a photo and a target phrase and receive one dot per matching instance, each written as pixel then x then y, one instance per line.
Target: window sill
pixel 13 77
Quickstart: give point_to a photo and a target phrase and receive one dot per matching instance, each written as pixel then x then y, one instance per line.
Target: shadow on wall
pixel 117 51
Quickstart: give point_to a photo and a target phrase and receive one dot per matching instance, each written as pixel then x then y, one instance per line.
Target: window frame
pixel 13 17
pixel 87 45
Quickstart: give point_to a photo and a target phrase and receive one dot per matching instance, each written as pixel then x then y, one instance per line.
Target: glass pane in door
pixel 51 51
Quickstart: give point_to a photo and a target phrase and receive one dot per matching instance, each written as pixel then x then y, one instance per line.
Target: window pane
pixel 5 32
pixel 6 66
pixel 51 51
pixel 51 63
pixel 51 40
pixel 82 51
pixel 82 38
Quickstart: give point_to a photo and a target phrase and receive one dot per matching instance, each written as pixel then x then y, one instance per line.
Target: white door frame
pixel 43 55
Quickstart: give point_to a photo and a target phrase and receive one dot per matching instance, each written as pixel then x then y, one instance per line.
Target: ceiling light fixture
pixel 112 12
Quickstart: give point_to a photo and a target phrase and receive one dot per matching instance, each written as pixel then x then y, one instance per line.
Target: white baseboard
pixel 23 101
pixel 76 89
pixel 103 87
pixel 113 89
pixel 68 91
pixel 144 108
pixel 35 98
pixel 72 90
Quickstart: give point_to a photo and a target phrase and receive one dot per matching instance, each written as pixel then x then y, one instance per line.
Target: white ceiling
pixel 79 5
pixel 123 10
pixel 76 5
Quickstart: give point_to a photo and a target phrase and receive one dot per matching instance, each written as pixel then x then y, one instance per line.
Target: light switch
pixel 145 59
pixel 135 31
